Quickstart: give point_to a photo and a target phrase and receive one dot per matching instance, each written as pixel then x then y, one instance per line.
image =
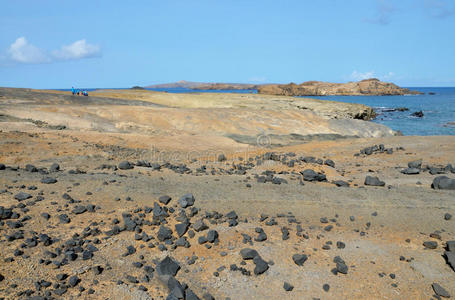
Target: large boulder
pixel 443 183
pixel 125 165
pixel 186 200
pixel 167 267
pixel 373 181
pixel 415 164
pixel 310 175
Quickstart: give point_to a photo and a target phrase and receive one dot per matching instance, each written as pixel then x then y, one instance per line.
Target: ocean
pixel 438 109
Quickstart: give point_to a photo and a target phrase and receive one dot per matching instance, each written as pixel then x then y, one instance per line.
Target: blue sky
pixel 57 44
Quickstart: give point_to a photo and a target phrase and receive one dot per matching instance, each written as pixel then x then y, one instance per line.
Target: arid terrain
pixel 133 194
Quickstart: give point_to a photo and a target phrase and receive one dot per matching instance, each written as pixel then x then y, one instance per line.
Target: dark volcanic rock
pixel 411 171
pixel 125 165
pixel 30 168
pixel 299 259
pixel 64 218
pixel 341 266
pixel 430 244
pixel 418 114
pixel 55 167
pixel 341 183
pixel 165 199
pixel 164 233
pixel 181 228
pixel 310 175
pixel 415 164
pixel 22 196
pixel 248 253
pixel 48 180
pixel 373 181
pixel 212 235
pixel 288 287
pixel 73 281
pixel 261 235
pixel 440 291
pixel 79 209
pixel 186 200
pixel 167 267
pixel 261 265
pixel 200 225
pixel 329 162
pixel 443 183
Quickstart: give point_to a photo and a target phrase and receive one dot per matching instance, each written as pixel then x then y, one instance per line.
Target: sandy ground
pixel 389 222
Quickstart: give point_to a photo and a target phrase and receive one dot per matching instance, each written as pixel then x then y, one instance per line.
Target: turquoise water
pixel 438 110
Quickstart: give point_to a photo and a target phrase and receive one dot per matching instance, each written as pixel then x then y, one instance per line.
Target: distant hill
pixel 178 84
pixel 203 85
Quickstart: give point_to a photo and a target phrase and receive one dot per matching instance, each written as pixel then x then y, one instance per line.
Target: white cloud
pixel 383 12
pixel 77 50
pixel 23 52
pixel 439 9
pixel 356 75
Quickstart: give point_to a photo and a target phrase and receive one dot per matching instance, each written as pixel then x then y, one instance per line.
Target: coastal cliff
pixel 372 87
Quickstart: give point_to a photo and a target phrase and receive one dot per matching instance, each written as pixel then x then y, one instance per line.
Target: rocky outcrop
pixel 318 88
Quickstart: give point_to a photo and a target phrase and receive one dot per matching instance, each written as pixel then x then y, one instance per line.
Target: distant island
pixel 370 87
pixel 367 87
pixel 204 86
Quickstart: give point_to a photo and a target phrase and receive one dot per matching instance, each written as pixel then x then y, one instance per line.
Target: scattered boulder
pixel 430 244
pixel 200 225
pixel 330 163
pixel 410 171
pixel 443 183
pixel 55 167
pixel 415 164
pixel 299 259
pixel 287 287
pixel 261 265
pixel 181 228
pixel 248 253
pixel 440 291
pixel 341 183
pixel 164 199
pixel 48 180
pixel 310 175
pixel 125 165
pixel 373 181
pixel 186 200
pixel 21 196
pixel 167 267
pixel 164 233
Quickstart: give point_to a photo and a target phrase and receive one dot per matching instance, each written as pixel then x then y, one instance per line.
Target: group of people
pixel 78 91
